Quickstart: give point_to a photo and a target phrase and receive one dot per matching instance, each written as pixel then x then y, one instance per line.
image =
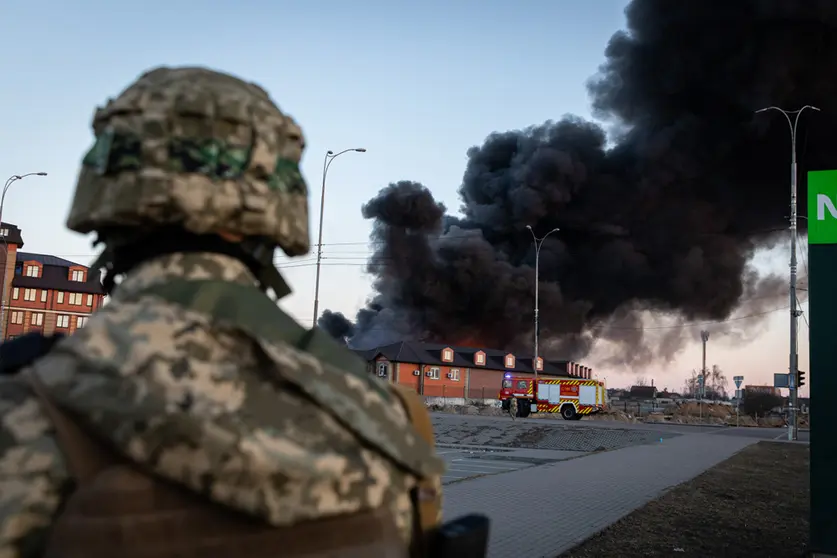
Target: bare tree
pixel 717 382
pixel 690 386
pixel 641 381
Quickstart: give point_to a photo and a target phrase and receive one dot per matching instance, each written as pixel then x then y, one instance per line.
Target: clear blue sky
pixel 414 83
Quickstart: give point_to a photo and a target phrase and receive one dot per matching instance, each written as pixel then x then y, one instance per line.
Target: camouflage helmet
pixel 197 149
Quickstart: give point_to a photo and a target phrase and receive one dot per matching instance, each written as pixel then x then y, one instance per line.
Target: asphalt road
pixel 475 446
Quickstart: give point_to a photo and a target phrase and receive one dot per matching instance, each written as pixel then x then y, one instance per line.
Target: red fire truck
pixel 572 397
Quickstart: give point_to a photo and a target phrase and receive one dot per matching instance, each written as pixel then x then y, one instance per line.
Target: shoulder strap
pixel 251 310
pixel 429 496
pixel 85 458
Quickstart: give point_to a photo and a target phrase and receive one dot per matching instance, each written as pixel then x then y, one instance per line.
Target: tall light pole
pixel 538 244
pixel 329 157
pixel 704 336
pixel 793 367
pixel 11 180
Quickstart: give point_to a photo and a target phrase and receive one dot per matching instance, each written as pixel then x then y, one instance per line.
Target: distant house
pixel 643 392
pixel 435 369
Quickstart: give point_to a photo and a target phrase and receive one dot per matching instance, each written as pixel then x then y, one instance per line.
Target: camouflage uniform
pixel 195 400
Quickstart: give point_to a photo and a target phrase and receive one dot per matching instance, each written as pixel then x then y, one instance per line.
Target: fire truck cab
pixel 572 397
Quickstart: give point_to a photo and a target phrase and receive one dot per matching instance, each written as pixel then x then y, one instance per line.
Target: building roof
pixel 647 392
pixel 431 353
pixel 55 275
pixel 14 236
pixel 45 259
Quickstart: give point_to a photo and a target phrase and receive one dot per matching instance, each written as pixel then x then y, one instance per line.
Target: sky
pixel 416 84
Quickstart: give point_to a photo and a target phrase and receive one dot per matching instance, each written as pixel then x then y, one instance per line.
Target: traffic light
pixel 800 378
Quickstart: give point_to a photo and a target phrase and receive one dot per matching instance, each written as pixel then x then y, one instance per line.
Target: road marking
pixel 780 436
pixel 482 466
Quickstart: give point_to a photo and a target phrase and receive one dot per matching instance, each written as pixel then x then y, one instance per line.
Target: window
pixel 29 294
pixel 447 355
pixel 90 300
pixel 78 276
pixel 17 317
pixel 81 321
pixel 522 385
pixel 433 373
pixel 75 299
pixel 15 293
pixel 479 358
pixel 37 319
pixel 509 361
pixel 43 295
pixel 507 384
pixel 454 374
pixel 383 369
pixel 60 298
pixel 4 232
pixel 539 363
pixel 62 321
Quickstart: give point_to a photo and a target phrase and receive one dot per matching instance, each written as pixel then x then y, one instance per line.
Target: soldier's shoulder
pixel 33 474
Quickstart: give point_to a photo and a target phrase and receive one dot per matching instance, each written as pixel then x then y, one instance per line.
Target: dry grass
pixel 753 504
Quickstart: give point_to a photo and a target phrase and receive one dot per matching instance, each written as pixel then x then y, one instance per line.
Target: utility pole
pixel 329 157
pixel 793 357
pixel 704 336
pixel 538 244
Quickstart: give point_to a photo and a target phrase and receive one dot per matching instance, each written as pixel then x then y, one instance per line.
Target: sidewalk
pixel 543 511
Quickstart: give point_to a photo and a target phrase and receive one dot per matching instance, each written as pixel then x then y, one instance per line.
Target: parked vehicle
pixel 572 397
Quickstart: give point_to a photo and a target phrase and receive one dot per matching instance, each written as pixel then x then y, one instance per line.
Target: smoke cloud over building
pixel 659 223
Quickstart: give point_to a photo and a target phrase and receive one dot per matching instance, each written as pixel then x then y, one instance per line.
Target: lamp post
pixel 794 311
pixel 329 157
pixel 11 180
pixel 538 244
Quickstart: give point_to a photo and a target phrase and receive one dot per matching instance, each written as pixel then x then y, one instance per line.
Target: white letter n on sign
pixel 824 201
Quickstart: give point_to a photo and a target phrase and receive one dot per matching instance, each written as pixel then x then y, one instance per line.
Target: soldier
pixel 191 416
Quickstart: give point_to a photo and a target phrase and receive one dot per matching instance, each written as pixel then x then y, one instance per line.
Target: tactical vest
pixel 116 511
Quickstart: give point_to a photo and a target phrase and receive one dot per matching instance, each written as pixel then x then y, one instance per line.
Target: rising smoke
pixel 656 228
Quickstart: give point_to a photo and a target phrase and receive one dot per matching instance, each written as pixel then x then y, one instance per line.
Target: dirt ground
pixel 753 504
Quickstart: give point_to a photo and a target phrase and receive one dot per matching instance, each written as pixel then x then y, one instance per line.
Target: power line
pixel 447 239
pixel 672 327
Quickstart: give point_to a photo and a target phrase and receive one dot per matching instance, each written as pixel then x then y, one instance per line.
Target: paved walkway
pixel 541 512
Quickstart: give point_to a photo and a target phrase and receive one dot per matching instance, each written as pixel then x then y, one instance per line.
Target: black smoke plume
pixel 658 220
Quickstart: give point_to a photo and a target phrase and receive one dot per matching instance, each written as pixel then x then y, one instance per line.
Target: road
pixel 476 446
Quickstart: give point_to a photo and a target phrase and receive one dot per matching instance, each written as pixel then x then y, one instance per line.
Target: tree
pixel 759 403
pixel 714 387
pixel 641 381
pixel 716 382
pixel 690 386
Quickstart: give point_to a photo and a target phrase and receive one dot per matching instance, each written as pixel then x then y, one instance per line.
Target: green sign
pixel 822 317
pixel 822 207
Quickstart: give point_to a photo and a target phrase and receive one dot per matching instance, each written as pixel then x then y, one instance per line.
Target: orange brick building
pixel 44 293
pixel 436 370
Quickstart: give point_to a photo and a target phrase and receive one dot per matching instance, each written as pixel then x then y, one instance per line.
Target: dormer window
pixel 509 360
pixel 77 275
pixel 539 364
pixel 32 271
pixel 447 354
pixel 479 358
pixel 4 232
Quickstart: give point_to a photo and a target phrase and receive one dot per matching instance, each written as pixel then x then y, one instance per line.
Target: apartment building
pixel 45 293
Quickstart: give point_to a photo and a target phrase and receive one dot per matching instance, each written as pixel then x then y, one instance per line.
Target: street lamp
pixel 538 244
pixel 11 180
pixel 329 157
pixel 794 311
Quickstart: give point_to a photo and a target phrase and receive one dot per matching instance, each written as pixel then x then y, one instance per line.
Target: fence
pixel 459 395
